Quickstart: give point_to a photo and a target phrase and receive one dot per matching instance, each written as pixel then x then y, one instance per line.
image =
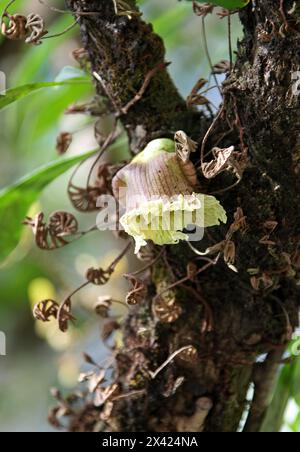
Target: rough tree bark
pixel 255 309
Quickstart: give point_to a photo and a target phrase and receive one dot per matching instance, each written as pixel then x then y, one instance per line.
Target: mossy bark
pixel 249 319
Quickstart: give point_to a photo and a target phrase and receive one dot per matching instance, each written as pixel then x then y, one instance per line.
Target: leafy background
pixel 38 355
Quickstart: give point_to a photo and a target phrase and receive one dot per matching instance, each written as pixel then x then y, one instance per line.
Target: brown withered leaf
pixel 202 10
pixel 63 142
pixel 64 315
pixel 166 309
pixel 36 29
pixel 54 416
pixel 184 145
pixel 16 27
pixel 104 394
pixel 45 310
pixel 62 225
pixel 103 306
pixel 96 380
pixel 240 220
pixel 229 252
pixel 190 354
pixel 108 329
pixel 89 360
pixel 219 164
pixel 223 67
pixel 195 97
pixel 98 276
pixel 138 292
pixel 81 55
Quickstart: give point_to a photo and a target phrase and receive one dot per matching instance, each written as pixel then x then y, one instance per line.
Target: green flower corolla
pixel 158 191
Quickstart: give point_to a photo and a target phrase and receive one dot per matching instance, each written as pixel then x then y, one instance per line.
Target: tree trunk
pixel 251 312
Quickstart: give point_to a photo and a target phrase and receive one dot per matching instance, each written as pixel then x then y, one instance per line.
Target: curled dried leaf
pixel 104 394
pixel 16 27
pixel 223 67
pixel 240 222
pixel 63 223
pixel 84 199
pixel 202 10
pixel 262 282
pixel 95 380
pixel 103 306
pixel 98 276
pixel 190 354
pixel 63 142
pixel 196 97
pixel 35 28
pixel 81 56
pixel 229 252
pixel 166 309
pixel 138 292
pixel 54 416
pixel 221 162
pixel 184 145
pixel 52 236
pixel 45 310
pixel 64 315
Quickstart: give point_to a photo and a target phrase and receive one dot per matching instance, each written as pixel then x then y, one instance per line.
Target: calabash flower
pixel 157 190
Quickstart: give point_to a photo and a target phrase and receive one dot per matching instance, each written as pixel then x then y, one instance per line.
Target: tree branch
pixel 123 52
pixel 260 105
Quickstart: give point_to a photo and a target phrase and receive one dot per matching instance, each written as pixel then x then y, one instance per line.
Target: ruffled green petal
pixel 163 220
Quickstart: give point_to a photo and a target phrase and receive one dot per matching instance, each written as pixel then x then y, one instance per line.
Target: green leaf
pixel 274 419
pixel 16 200
pixel 14 94
pixel 71 72
pixel 228 4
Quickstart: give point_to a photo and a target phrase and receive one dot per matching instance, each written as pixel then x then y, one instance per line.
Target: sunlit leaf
pixel 228 4
pixel 14 94
pixel 16 200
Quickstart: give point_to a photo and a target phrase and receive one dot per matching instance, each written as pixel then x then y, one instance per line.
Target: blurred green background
pixel 38 355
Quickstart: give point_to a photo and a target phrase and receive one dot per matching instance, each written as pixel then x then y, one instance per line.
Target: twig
pixel 109 140
pixel 146 267
pixel 57 35
pixel 207 135
pixel 287 25
pixel 183 280
pixel 208 55
pixel 141 92
pixel 208 309
pixel 138 392
pixel 66 304
pixel 164 364
pixel 120 257
pixel 5 10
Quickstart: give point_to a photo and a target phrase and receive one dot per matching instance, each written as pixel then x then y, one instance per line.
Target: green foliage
pixel 14 94
pixel 228 4
pixel 16 200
